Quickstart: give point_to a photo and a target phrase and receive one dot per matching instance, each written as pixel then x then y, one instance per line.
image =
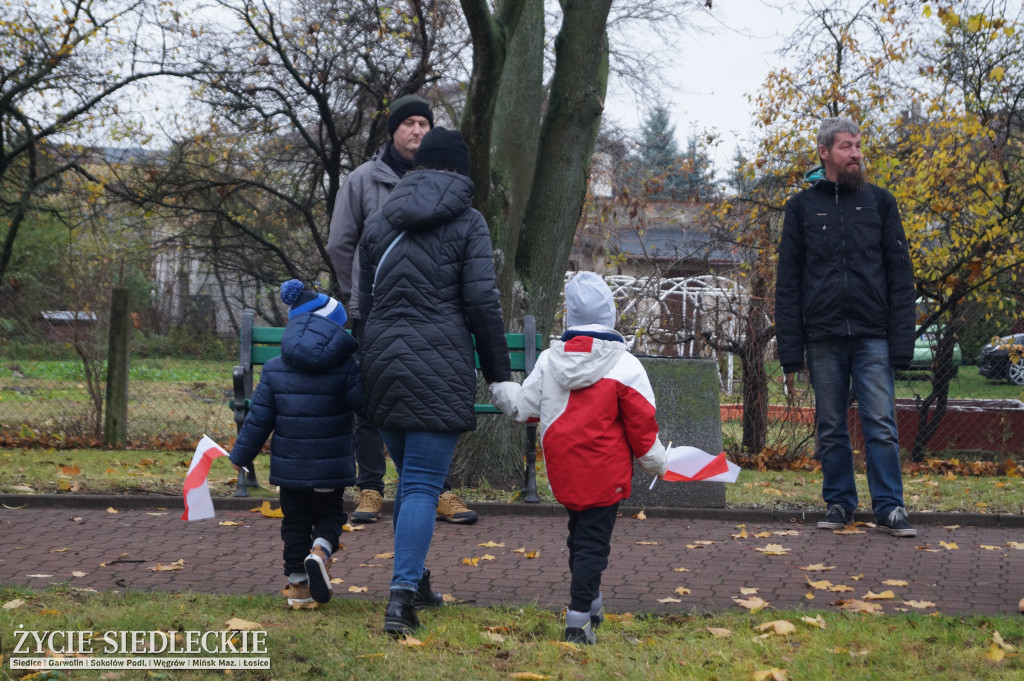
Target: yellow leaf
pixel 762 535
pixel 487 556
pixel 358 589
pixel 228 523
pixel 267 511
pixel 337 580
pixel 989 548
pixel 896 582
pixel 857 578
pixel 950 527
pixel 773 550
pixel 520 550
pixel 493 637
pixel 78 573
pixel 111 509
pixel 704 542
pixel 236 624
pixel 809 595
pixel 820 584
pixel 59 550
pixel 840 588
pixel 814 621
pixel 669 599
pixel 742 535
pixel 855 605
pixel 885 595
pixel 532 554
pixel 1015 545
pixel 997 74
pixel 786 533
pixel 470 561
pixel 491 544
pixel 849 530
pixel 410 641
pixel 778 627
pixel 753 604
pixel 818 567
pixel 347 527
pixel 773 674
pixel 682 591
pixel 528 676
pixel 995 653
pixel 951 546
pixel 647 543
pixel 680 569
pixel 718 632
pixel 448 598
pixel 640 516
pixel 748 591
pixel 385 555
pixel 919 604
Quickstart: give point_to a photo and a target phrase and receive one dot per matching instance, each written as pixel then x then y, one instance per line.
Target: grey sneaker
pixel 896 523
pixel 836 518
pixel 583 635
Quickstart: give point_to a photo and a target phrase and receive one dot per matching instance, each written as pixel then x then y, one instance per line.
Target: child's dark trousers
pixel 308 516
pixel 589 542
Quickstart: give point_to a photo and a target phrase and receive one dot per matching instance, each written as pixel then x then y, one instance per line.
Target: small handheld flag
pixel 198 502
pixel 687 464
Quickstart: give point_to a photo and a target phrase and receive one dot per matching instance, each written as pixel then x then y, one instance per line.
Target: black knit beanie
pixel 408 105
pixel 443 149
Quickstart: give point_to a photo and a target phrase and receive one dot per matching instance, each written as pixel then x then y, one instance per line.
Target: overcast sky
pixel 714 72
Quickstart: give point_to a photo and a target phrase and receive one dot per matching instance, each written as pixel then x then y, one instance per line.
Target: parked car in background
pixel 995 361
pixel 924 353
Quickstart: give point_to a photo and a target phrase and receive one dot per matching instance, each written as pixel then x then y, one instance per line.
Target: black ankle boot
pixel 400 617
pixel 424 597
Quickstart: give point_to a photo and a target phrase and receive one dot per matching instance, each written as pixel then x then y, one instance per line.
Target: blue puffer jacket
pixel 306 397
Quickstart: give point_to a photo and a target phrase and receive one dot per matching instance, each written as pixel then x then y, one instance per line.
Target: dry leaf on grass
pixel 12 604
pixel 170 567
pixel 493 637
pixel 818 567
pixel 410 641
pixel 718 632
pixel 236 624
pixel 814 621
pixel 778 627
pixel 773 674
pixel 528 676
pixel 753 604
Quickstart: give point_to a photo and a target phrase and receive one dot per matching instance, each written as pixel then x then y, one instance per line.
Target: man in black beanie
pixel 443 149
pixel 410 118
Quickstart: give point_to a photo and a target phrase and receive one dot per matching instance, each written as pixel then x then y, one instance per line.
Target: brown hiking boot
pixel 452 509
pixel 369 506
pixel 298 597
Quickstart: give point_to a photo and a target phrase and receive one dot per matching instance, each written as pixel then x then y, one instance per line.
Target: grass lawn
pixel 344 640
pixel 98 471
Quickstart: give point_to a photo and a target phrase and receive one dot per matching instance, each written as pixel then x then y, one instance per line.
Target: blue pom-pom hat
pixel 301 301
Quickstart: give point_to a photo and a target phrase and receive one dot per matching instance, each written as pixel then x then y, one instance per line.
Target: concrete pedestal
pixel 686 392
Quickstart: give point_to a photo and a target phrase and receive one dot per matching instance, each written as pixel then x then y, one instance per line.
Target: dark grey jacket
pixel 421 303
pixel 844 271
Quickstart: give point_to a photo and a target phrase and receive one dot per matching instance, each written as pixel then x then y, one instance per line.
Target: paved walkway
pixel 43 543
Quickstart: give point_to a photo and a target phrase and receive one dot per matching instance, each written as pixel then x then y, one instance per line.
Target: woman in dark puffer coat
pixel 427 283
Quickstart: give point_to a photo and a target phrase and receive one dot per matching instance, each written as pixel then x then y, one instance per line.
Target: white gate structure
pixel 679 316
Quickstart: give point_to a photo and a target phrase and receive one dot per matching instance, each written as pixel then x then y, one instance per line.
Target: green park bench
pixel 258 344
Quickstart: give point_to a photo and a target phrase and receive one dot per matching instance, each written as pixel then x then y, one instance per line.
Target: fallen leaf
pixel 493 637
pixel 840 588
pixel 157 513
pixel 989 548
pixel 855 605
pixel 950 527
pixel 49 611
pixel 669 599
pixel 531 554
pixel 410 641
pixel 718 632
pixel 337 580
pixel 371 656
pixel 849 530
pixel 949 546
pixel 386 555
pixel 229 523
pixel 857 578
pixel 59 550
pixel 69 470
pixel 919 604
pixel 818 567
pixel 236 624
pixel 448 598
pixel 680 569
pixel 170 567
pixel 528 676
pixel 896 582
pixel 647 543
pixel 491 544
pixel 358 589
pixel 39 576
pixel 742 535
pixel 774 674
pixel 267 511
pixel 520 550
pixel 786 533
pixel 773 550
pixel 820 584
pixel 682 591
pixel 487 556
pixel 762 535
pixel 12 604
pixel 998 640
pixel 78 573
pixel 640 516
pixel 884 596
pixel 995 653
pixel 111 509
pixel 694 546
pixel 809 595
pixel 928 548
pixel 748 591
pixel 753 604
pixel 814 621
pixel 778 627
pixel 352 528
pixel 470 561
pixel 704 542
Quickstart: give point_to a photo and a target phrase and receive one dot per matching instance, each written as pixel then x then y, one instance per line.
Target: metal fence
pixel 52 377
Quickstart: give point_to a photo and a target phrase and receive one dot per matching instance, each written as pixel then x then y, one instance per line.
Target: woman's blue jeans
pixel 422 459
pixel 862 364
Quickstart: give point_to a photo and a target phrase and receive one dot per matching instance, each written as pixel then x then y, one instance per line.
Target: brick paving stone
pixel 247 559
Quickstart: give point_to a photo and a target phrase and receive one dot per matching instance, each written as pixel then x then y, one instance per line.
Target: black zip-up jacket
pixel 844 271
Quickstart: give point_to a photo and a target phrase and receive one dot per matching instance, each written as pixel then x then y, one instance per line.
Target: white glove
pixel 504 395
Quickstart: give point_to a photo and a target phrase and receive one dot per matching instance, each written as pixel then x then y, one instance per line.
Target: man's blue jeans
pixel 863 364
pixel 422 459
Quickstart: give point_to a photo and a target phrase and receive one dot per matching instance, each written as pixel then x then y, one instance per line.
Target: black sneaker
pixel 836 518
pixel 896 523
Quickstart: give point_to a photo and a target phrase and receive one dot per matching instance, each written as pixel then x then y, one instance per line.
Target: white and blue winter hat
pixel 301 301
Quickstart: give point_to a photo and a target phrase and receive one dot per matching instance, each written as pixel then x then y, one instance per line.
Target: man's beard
pixel 851 179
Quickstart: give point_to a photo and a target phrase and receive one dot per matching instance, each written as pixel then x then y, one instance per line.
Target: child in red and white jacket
pixel 596 416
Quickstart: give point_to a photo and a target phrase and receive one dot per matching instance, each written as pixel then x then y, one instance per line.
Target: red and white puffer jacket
pixel 596 414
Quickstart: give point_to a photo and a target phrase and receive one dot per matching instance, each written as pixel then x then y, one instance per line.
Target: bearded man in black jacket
pixel 844 299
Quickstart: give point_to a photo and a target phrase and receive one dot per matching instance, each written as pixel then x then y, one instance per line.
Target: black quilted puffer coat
pixel 421 301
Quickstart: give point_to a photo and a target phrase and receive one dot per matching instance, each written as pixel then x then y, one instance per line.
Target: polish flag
pixel 198 502
pixel 686 464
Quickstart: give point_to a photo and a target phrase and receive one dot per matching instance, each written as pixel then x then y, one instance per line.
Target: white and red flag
pixel 198 502
pixel 687 464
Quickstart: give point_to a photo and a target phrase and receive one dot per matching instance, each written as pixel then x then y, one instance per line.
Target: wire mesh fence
pixel 52 378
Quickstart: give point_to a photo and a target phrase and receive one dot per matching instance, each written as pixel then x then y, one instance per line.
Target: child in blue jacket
pixel 307 397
